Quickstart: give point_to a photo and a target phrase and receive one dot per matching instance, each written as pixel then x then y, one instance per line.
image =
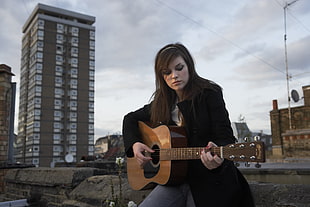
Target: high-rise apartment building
pixel 56 107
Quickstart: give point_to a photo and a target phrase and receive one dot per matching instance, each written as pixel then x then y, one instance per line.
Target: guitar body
pixel 169 161
pixel 158 171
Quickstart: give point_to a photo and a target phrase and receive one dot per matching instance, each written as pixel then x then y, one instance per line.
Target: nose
pixel 174 74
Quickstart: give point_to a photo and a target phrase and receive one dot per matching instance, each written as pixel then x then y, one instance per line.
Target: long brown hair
pixel 165 97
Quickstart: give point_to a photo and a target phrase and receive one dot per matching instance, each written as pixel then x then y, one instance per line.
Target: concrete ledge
pixel 69 177
pixel 278 175
pixel 95 190
pixel 81 187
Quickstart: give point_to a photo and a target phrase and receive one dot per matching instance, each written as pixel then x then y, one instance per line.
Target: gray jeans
pixel 169 196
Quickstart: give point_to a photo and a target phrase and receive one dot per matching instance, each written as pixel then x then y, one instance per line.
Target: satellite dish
pixel 69 158
pixel 295 96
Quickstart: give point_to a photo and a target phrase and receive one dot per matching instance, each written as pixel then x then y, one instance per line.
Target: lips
pixel 176 82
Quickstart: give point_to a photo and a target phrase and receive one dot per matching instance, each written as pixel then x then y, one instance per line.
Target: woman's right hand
pixel 138 149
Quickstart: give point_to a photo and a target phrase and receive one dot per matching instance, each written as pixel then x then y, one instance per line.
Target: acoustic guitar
pixel 169 161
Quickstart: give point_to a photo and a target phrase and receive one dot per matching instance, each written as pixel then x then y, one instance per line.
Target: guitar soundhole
pixel 155 155
pixel 152 167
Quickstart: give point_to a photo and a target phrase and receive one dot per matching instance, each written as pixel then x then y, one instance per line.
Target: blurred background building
pixel 56 104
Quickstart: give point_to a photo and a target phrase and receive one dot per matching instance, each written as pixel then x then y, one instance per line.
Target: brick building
pixel 57 86
pixel 291 142
pixel 7 105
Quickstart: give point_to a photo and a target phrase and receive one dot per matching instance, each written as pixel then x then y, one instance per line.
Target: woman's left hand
pixel 211 162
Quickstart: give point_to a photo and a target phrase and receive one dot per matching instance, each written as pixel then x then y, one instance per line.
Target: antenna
pixel 286 65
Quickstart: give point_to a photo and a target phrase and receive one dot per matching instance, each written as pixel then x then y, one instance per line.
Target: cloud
pixel 238 44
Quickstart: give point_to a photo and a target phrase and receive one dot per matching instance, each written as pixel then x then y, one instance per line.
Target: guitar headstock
pixel 245 152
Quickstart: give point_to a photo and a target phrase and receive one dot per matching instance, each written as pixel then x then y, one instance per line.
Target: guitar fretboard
pixel 237 152
pixel 188 153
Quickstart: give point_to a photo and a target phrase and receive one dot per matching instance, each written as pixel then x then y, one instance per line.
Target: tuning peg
pixel 246 139
pixel 237 164
pixel 247 164
pixel 257 138
pixel 257 165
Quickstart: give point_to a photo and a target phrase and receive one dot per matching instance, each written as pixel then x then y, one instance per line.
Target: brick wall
pixel 295 141
pixel 5 104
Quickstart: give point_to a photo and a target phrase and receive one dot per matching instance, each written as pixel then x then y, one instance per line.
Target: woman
pixel 185 99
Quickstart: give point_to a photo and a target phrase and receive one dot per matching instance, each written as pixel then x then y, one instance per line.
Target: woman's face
pixel 176 75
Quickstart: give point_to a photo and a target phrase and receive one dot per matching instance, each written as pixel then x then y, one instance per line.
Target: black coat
pixel 206 120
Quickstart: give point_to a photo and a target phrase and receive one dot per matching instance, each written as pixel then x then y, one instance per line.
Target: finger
pixel 148 149
pixel 211 144
pixel 217 159
pixel 209 156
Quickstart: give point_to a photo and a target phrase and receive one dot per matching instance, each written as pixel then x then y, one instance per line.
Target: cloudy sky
pixel 238 44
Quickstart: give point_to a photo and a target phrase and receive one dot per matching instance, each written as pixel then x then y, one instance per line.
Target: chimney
pixel 274 105
pixel 306 91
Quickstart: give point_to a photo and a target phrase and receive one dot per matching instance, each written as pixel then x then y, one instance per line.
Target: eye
pixel 166 72
pixel 179 67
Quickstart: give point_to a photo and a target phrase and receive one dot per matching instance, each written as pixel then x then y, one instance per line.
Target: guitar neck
pixel 247 152
pixel 190 153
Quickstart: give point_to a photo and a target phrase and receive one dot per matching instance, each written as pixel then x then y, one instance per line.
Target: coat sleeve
pixel 221 125
pixel 131 132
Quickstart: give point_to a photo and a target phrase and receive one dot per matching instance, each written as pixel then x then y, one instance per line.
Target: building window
pixel 59 92
pixel 73 93
pixel 57 148
pixel 92 35
pixel 35 161
pixel 91 117
pixel 58 70
pixel 91 75
pixel 74 62
pixel 60 28
pixel 58 81
pixel 36 148
pixel 40 45
pixel 73 83
pixel 74 72
pixel 75 31
pixel 59 49
pixel 74 41
pixel 91 63
pixel 72 137
pixel 56 136
pixel 57 114
pixel 41 23
pixel 59 38
pixel 37 112
pixel 72 148
pixel 91 106
pixel 91 54
pixel 91 85
pixel 73 104
pixel 73 116
pixel 38 89
pixel 57 103
pixel 90 137
pixel 90 148
pixel 59 58
pixel 40 34
pixel 92 45
pixel 36 136
pixel 74 52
